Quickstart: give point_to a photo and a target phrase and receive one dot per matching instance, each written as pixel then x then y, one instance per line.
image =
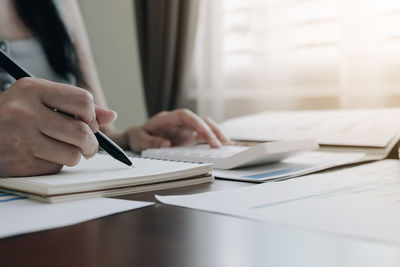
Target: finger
pixel 192 120
pixel 69 99
pixel 185 136
pixel 140 140
pixel 220 135
pixel 150 141
pixel 42 167
pixel 57 152
pixel 37 166
pixel 105 116
pixel 69 130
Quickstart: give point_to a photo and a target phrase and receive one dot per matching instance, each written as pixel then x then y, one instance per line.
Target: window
pixel 255 55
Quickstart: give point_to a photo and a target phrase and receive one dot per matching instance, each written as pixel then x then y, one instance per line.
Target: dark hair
pixel 44 20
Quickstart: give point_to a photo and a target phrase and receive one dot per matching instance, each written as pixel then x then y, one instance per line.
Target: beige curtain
pixel 166 31
pixel 252 56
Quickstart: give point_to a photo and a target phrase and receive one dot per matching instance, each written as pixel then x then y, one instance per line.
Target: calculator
pixel 236 156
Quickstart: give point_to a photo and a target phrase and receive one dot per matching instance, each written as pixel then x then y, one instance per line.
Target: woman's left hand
pixel 174 128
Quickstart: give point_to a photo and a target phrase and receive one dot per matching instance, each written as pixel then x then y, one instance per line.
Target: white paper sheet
pixel 374 127
pixel 19 215
pixel 363 201
pixel 301 164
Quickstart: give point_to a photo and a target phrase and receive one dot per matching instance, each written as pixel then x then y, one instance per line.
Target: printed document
pixel 362 201
pixel 301 164
pixel 370 128
pixel 20 215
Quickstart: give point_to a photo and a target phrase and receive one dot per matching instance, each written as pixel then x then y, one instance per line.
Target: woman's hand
pixel 34 139
pixel 173 128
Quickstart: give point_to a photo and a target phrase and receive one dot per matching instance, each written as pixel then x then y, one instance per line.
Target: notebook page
pixel 102 170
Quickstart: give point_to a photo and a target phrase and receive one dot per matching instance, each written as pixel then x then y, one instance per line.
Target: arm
pixel 178 127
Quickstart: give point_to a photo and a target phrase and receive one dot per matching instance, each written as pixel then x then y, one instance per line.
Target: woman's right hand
pixel 35 139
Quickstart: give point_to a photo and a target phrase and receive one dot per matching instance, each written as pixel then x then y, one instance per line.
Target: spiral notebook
pixel 102 176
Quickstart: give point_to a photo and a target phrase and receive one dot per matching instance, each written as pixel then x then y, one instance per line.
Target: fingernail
pixel 217 143
pixel 115 114
pixel 95 126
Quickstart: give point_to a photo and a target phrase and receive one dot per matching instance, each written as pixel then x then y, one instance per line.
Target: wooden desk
pixel 163 235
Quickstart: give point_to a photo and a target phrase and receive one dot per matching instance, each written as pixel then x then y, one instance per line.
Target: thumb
pixel 151 141
pixel 105 116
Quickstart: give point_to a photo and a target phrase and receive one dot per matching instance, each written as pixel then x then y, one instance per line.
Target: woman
pixel 48 38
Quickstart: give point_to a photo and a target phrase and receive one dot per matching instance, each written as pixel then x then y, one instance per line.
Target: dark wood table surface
pixel 163 235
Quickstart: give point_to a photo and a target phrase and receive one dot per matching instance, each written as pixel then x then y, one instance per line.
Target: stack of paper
pixel 374 131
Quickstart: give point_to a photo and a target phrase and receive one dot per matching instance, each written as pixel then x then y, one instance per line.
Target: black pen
pixel 17 72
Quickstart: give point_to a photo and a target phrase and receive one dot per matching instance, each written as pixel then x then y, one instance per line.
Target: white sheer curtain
pixel 256 55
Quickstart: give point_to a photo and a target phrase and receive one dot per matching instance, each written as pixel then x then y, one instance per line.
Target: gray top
pixel 30 55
